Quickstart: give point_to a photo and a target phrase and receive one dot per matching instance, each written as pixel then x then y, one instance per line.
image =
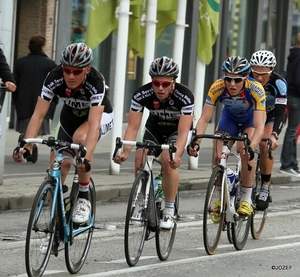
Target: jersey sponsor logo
pixel 77 103
pixel 171 102
pixel 136 106
pixel 97 99
pixel 182 97
pixel 281 86
pixel 187 110
pixel 156 104
pixel 281 101
pixel 105 128
pixel 260 92
pixel 166 115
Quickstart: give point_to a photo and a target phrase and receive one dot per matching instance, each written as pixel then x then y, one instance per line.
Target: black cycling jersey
pixel 276 101
pixel 92 92
pixel 163 114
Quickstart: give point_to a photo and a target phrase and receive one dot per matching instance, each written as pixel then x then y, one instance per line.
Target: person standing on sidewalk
pixel 5 73
pixel 288 158
pixel 30 72
pixel 262 64
pixel 171 110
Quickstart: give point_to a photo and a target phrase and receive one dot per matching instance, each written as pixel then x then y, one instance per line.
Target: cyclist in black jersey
pixel 86 115
pixel 262 64
pixel 171 109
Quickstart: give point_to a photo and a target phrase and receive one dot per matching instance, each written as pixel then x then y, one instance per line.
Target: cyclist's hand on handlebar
pixel 176 162
pixel 19 155
pixel 274 143
pixel 85 165
pixel 193 151
pixel 119 159
pixel 249 154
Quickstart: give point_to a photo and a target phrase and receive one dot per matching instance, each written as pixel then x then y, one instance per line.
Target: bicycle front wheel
pixel 213 218
pixel 259 217
pixel 40 230
pixel 164 238
pixel 136 221
pixel 240 228
pixel 76 250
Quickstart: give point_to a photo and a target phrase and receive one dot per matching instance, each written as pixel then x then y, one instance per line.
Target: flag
pixel 208 26
pixel 102 21
pixel 166 15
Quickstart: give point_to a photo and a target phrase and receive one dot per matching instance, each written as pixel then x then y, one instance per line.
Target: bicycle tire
pixel 229 232
pixel 41 226
pixel 76 250
pixel 240 228
pixel 135 228
pixel 259 217
pixel 212 228
pixel 164 239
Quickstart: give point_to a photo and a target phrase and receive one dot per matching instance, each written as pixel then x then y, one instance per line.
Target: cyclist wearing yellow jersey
pixel 244 109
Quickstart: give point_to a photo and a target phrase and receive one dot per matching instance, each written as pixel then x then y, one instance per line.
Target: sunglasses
pixel 163 84
pixel 75 72
pixel 234 79
pixel 262 74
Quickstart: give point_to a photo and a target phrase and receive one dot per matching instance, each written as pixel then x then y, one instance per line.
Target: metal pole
pixel 179 34
pixel 7 9
pixel 121 61
pixel 149 52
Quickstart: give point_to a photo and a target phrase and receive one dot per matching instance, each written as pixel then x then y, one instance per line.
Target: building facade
pixel 245 26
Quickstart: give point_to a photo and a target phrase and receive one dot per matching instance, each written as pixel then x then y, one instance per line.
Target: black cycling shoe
pixel 263 200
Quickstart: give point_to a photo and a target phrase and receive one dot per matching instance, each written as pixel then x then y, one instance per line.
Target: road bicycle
pixel 259 217
pixel 49 218
pixel 222 199
pixel 143 211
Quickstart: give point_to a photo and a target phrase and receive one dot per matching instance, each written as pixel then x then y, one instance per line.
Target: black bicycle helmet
pixel 77 55
pixel 164 66
pixel 263 58
pixel 236 65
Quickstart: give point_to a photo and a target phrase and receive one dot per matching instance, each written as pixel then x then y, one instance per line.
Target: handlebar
pixel 171 146
pixel 58 145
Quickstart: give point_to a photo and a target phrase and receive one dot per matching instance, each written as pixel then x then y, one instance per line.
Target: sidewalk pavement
pixel 18 193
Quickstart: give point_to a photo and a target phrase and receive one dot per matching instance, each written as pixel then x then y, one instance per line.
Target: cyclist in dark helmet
pixel 171 109
pixel 244 105
pixel 262 64
pixel 86 116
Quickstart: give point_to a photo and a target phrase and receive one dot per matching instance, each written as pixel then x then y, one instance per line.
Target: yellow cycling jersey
pixel 252 97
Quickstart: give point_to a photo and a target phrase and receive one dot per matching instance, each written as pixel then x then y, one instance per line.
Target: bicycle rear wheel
pixel 240 228
pixel 136 221
pixel 213 218
pixel 76 250
pixel 164 238
pixel 41 227
pixel 259 217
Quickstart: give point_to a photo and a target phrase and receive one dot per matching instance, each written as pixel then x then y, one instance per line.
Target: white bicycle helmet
pixel 164 66
pixel 236 65
pixel 77 55
pixel 263 58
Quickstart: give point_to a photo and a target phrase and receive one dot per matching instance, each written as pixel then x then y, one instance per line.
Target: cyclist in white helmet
pixel 262 64
pixel 243 110
pixel 86 116
pixel 171 109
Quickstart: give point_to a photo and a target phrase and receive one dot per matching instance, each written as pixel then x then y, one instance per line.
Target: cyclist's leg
pixel 266 166
pixel 247 177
